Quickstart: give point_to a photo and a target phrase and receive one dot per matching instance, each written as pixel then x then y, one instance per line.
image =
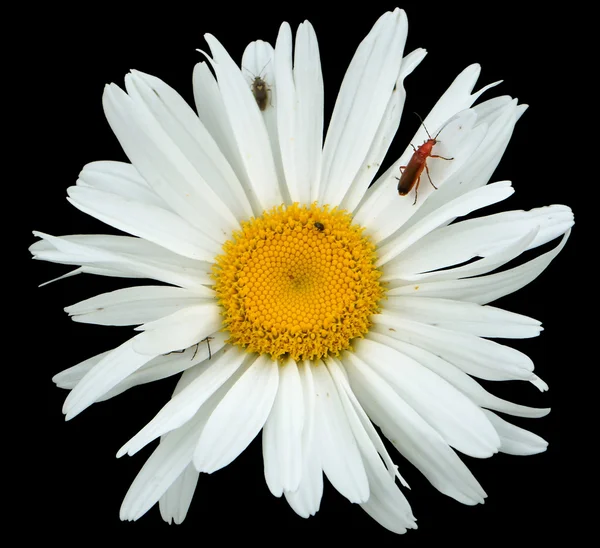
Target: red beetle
pixel 410 175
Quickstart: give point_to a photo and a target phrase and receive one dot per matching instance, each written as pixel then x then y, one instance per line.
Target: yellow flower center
pixel 298 281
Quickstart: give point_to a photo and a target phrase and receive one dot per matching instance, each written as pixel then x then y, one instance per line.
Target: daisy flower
pixel 298 294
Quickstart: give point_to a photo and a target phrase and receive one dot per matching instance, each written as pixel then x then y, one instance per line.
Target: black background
pixel 76 481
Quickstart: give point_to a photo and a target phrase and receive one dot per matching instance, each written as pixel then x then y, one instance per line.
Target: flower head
pixel 300 294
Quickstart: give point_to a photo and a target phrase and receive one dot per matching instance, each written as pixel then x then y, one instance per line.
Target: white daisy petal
pixel 385 133
pixel 132 257
pixel 258 62
pixel 282 433
pixel 121 179
pixel 239 417
pixel 488 288
pixel 457 97
pixel 474 268
pixel 456 377
pixel 178 330
pixel 306 500
pixel 164 466
pixel 248 127
pixel 481 197
pixel 171 364
pixel 483 321
pixel 515 440
pixel 386 503
pixel 146 221
pixel 182 407
pixel 133 305
pixel 340 454
pixel 339 376
pixel 213 115
pixel 461 242
pixel 165 166
pixel 411 435
pixel 186 130
pixel 300 111
pixel 171 457
pixel 361 104
pixel 175 502
pixel 108 372
pixel 459 421
pixel 68 378
pixel 476 356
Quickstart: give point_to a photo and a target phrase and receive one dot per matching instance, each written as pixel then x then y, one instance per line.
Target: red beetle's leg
pixel 429 176
pixel 417 188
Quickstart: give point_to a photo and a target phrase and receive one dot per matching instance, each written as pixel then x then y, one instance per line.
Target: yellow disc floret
pixel 298 281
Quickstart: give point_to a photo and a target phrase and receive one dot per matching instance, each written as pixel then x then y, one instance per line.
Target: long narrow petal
pixel 463 241
pixel 476 356
pixel 172 456
pixel 306 500
pixel 473 268
pixel 300 111
pixel 108 372
pixel 123 256
pixel 386 504
pixel 361 104
pixel 483 321
pixel 132 305
pixel 340 455
pixel 68 378
pixel 213 114
pixel 180 330
pixel 152 223
pixel 485 289
pixel 164 466
pixel 258 61
pixel 455 376
pixel 239 417
pixel 461 423
pixel 175 502
pixel 282 433
pixel 479 198
pixel 186 130
pixel 157 368
pixel 171 364
pixel 165 166
pixel 248 127
pixel 182 407
pixel 411 434
pixel 385 134
pixel 337 370
pixel 515 440
pixel 121 179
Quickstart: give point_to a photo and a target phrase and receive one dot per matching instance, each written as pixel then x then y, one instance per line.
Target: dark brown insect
pixel 260 90
pixel 319 226
pixel 410 174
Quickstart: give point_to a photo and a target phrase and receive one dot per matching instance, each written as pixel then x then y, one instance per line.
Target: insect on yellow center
pixel 298 281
